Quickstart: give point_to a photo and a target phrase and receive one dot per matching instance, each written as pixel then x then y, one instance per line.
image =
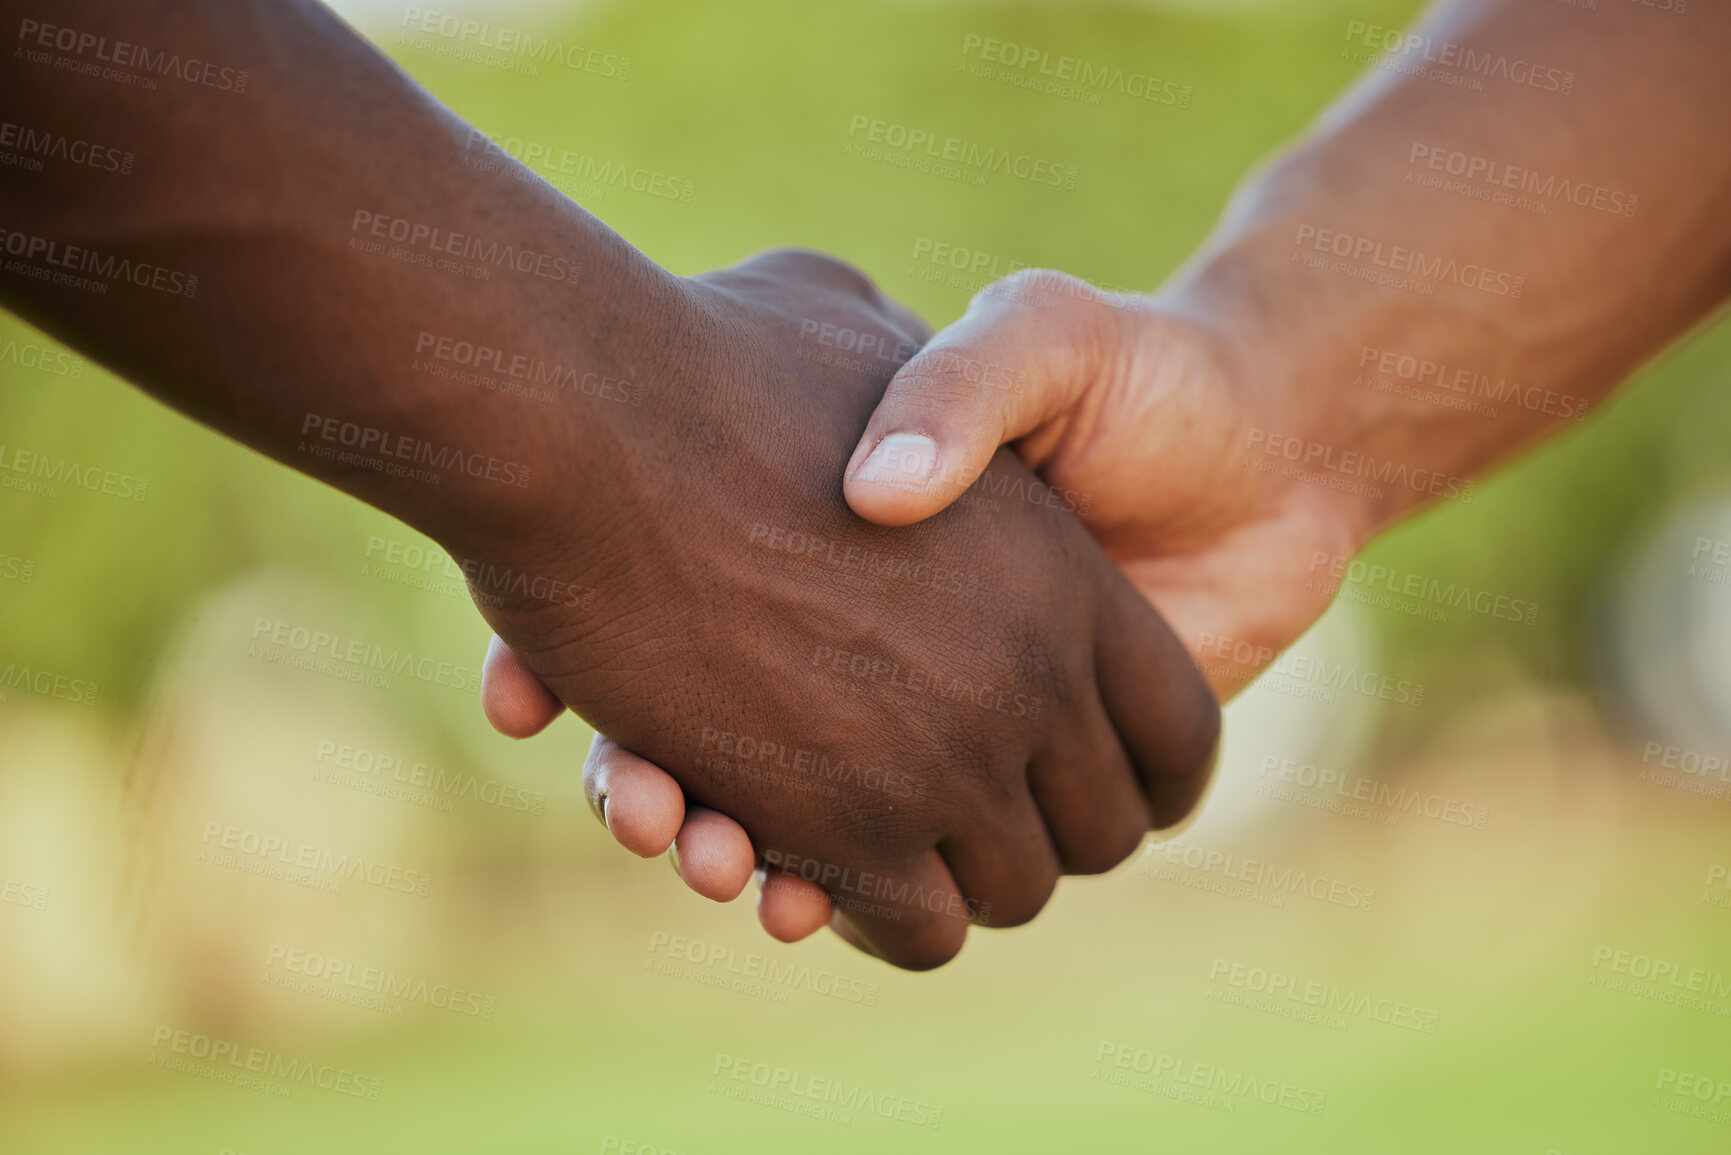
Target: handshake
pixel 784 550
pixel 909 620
pixel 838 633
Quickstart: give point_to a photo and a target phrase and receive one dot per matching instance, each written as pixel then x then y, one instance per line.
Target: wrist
pixel 1260 430
pixel 562 424
pixel 1313 418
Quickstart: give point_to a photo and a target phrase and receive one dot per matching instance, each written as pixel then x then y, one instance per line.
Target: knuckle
pixel 1023 279
pixel 823 267
pixel 1199 742
pixel 932 944
pixel 1016 905
pixel 1107 849
pixel 928 958
pixel 1037 289
pixel 1068 310
pixel 955 369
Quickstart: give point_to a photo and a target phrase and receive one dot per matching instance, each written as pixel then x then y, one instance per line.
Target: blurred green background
pixel 593 1046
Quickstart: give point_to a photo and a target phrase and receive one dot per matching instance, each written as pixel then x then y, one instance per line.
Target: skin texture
pixel 985 709
pixel 1162 407
pixel 932 723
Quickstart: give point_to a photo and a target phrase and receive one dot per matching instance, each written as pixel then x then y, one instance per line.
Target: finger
pixel 1091 800
pixel 713 854
pixel 1014 362
pixel 914 917
pixel 1165 714
pixel 639 802
pixel 844 930
pixel 1010 875
pixel 789 907
pixel 517 702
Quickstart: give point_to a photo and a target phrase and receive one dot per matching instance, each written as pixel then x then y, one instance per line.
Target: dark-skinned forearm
pixel 289 243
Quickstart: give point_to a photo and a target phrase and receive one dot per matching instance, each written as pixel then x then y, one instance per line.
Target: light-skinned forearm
pixel 1563 300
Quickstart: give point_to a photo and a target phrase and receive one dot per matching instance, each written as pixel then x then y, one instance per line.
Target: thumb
pixel 1021 356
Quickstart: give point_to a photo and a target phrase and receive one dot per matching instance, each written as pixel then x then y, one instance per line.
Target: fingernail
pixel 902 459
